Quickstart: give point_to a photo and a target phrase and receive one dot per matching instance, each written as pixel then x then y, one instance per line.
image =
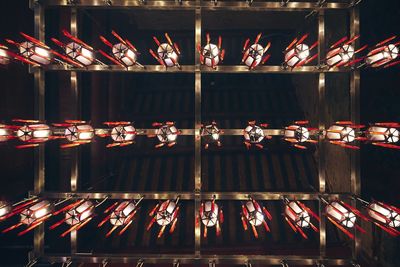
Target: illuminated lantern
pixel 5 133
pixel 211 215
pixel 211 134
pixel 385 216
pixel 34 132
pixel 297 134
pixel 123 53
pixel 298 216
pixel 298 54
pixel 120 214
pixel 164 214
pixel 384 134
pixel 211 54
pixel 341 54
pixel 79 213
pixel 166 134
pixel 123 133
pixel 342 133
pixel 79 53
pixel 254 134
pixel 36 212
pixel 344 217
pixel 4 55
pixel 384 54
pixel 253 55
pixel 253 214
pixel 5 208
pixel 35 53
pixel 79 133
pixel 167 53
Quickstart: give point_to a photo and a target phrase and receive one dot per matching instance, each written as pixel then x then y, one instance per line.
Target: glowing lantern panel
pixel 79 133
pixel 35 212
pixel 80 213
pixel 341 214
pixel 4 55
pixel 384 214
pixel 4 133
pixel 342 54
pixel 120 216
pixel 209 214
pixel 32 132
pixel 124 54
pixel 79 53
pixel 123 133
pixel 35 53
pixel 383 134
pixel 298 133
pixel 341 133
pixel 297 214
pixel 382 55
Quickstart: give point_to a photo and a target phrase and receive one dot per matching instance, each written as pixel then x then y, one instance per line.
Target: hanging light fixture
pixel 32 51
pixel 342 53
pixel 384 134
pixel 32 132
pixel 298 216
pixel 5 133
pixel 165 214
pixel 298 53
pixel 167 53
pixel 33 214
pixel 253 55
pixel 211 134
pixel 254 214
pixel 167 133
pixel 76 132
pixel 124 53
pixel 80 53
pixel 121 214
pixel 254 134
pixel 211 215
pixel 384 54
pixel 5 57
pixel 343 216
pixel 122 133
pixel 343 133
pixel 386 217
pixel 297 134
pixel 211 54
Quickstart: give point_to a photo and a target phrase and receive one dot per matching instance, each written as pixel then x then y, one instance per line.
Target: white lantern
pixel 341 214
pixel 167 54
pixel 5 208
pixel 210 55
pixel 254 57
pixel 384 214
pixel 120 215
pixel 385 54
pixel 35 53
pixel 297 214
pixel 79 213
pixel 79 133
pixel 253 134
pixel 123 133
pixel 5 133
pixel 166 213
pixel 4 55
pixel 79 53
pixel 254 213
pixel 298 133
pixel 124 54
pixel 341 133
pixel 167 133
pixel 383 134
pixel 35 212
pixel 34 132
pixel 342 54
pixel 209 213
pixel 297 54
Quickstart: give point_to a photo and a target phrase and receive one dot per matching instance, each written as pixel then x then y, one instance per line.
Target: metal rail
pixel 185 195
pixel 205 259
pixel 191 5
pixel 194 69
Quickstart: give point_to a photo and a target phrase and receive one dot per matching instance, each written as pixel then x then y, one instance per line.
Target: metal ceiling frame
pixel 197 195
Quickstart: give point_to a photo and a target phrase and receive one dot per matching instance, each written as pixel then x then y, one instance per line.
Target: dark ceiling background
pixel 223 100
